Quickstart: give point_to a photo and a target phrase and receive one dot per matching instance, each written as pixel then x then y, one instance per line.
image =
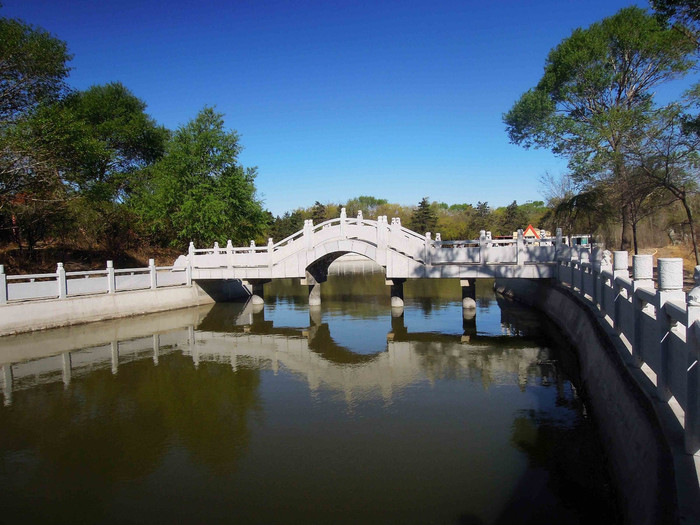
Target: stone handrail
pixel 62 284
pixel 658 326
pixel 380 237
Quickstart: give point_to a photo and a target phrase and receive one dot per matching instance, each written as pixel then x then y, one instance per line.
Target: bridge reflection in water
pixel 234 334
pixel 352 411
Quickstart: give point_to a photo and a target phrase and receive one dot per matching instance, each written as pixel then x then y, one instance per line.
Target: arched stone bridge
pixel 403 253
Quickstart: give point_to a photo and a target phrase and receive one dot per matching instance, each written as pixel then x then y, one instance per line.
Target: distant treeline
pixel 456 221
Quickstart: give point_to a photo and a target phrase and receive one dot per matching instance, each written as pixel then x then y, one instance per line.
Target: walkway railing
pixel 658 326
pixel 385 236
pixel 63 284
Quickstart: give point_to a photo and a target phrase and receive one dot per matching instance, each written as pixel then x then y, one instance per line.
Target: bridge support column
pixel 396 292
pixel 468 293
pixel 257 290
pixel 314 289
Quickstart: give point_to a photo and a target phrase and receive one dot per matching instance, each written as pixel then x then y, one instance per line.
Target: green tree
pixel 595 93
pixel 424 218
pixel 198 191
pixel 365 203
pixel 668 159
pixel 513 219
pixel 481 218
pixel 286 225
pixel 118 139
pixel 33 68
pixel 318 213
pixel 104 139
pixel 684 15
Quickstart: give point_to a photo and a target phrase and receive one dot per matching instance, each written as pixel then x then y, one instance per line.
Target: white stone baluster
pixel 643 275
pixel 152 274
pixel 670 289
pixel 620 269
pixel 3 285
pixel 229 254
pixel 520 248
pixel 61 280
pixel 343 221
pixel 692 412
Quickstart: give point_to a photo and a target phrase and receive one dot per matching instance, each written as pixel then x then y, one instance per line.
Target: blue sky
pixel 395 99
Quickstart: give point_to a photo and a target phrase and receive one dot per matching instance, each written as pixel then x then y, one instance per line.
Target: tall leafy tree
pixel 513 219
pixel 33 71
pixel 365 203
pixel 198 191
pixel 33 68
pixel 595 93
pixel 684 15
pixel 117 138
pixel 424 218
pixel 319 213
pixel 668 158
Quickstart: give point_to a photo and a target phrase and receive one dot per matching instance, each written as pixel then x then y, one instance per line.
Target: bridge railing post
pixel 643 275
pixel 3 285
pixel 229 254
pixel 670 289
pixel 270 250
pixel 152 274
pixel 188 271
pixel 559 242
pixel 308 233
pixel 583 270
pixel 343 221
pixel 382 240
pixel 520 248
pixel 61 279
pixel 605 266
pixel 692 412
pixel 596 256
pixel 111 280
pixel 620 260
pixel 482 247
pixel 427 256
pixel 558 257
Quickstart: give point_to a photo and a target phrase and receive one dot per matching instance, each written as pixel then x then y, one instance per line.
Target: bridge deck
pixel 404 254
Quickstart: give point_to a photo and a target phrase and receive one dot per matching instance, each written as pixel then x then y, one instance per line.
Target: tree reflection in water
pixel 417 402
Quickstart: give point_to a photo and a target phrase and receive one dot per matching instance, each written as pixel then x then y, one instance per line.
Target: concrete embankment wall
pixel 642 463
pixel 38 315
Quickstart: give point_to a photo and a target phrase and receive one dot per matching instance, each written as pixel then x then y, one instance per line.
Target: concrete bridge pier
pixel 314 285
pixel 257 290
pixel 468 293
pixel 396 292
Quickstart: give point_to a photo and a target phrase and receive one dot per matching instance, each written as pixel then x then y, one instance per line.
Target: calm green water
pixel 344 414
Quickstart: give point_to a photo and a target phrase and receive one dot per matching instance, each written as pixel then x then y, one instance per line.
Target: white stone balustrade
pixel 404 254
pixel 63 284
pixel 659 327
